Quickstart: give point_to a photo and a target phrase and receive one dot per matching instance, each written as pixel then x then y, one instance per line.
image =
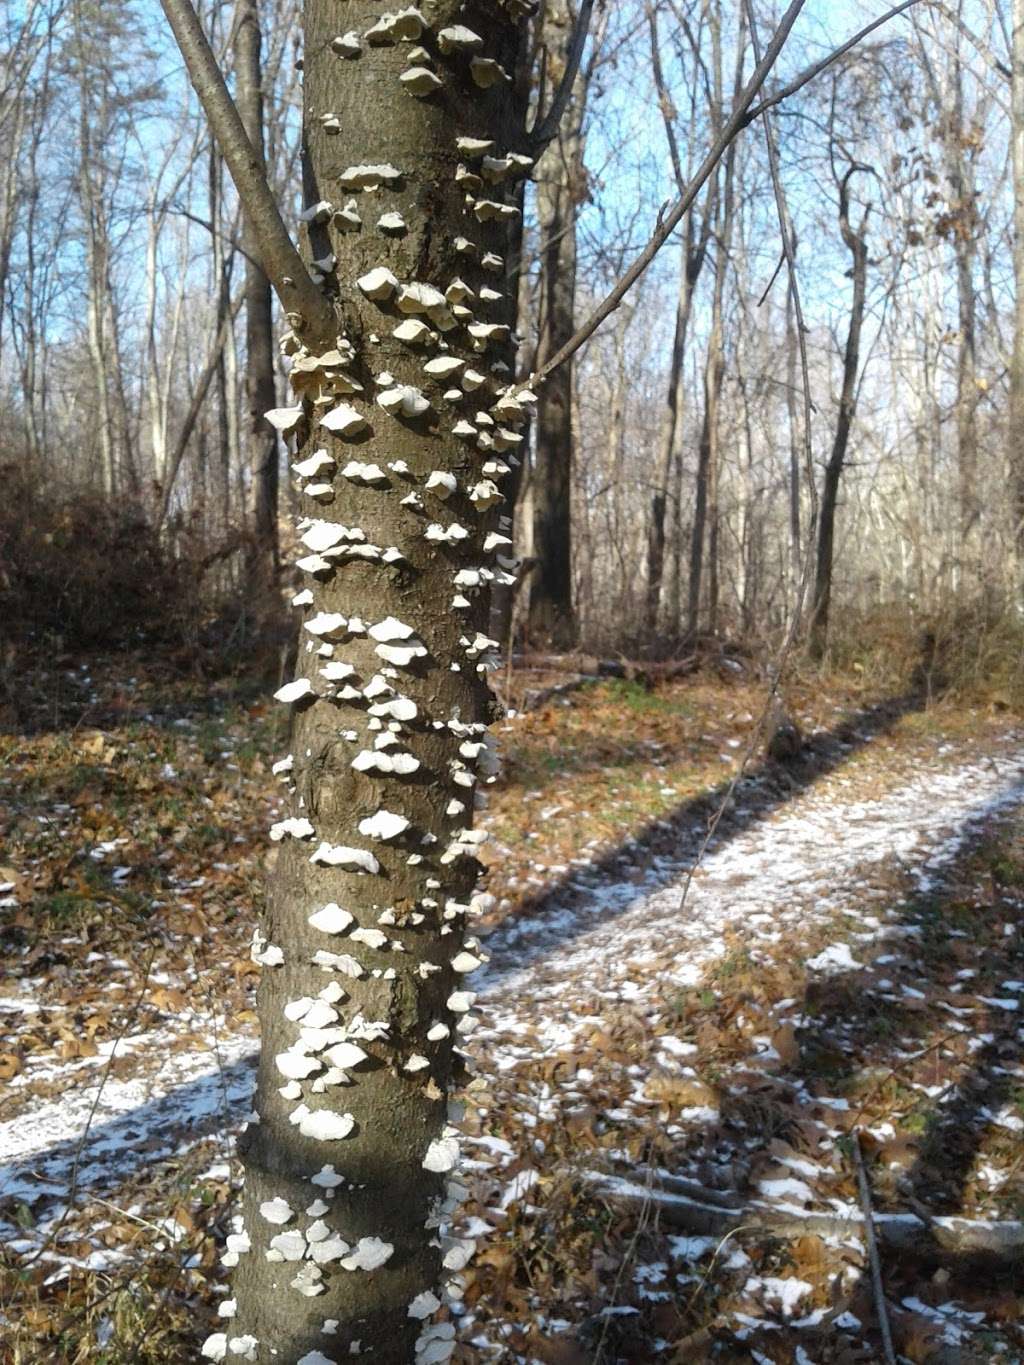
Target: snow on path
pixel 803 863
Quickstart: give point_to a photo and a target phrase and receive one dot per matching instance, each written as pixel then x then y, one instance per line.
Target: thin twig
pixel 807 75
pixel 667 225
pixel 742 116
pixel 875 1261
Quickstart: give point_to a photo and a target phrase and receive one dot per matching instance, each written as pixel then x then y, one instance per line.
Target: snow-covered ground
pixel 549 975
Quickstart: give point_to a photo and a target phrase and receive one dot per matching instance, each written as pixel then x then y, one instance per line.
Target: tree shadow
pixel 926 1032
pixel 666 848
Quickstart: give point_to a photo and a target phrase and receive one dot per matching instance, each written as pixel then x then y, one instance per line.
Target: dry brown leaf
pixel 10 1065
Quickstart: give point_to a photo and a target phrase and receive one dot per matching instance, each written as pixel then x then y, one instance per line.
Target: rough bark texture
pixel 388 997
pixel 559 187
pixel 856 243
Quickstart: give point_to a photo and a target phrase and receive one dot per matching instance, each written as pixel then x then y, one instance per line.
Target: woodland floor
pixel 846 960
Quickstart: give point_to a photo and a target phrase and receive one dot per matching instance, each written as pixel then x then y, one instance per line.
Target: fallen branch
pixel 874 1260
pixel 712 1216
pixel 591 667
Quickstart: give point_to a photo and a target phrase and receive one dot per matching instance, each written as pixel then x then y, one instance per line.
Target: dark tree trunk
pixel 559 189
pixel 856 243
pixel 693 260
pixel 347 1171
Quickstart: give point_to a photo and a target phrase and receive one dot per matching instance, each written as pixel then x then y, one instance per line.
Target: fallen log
pixel 589 665
pixel 712 1215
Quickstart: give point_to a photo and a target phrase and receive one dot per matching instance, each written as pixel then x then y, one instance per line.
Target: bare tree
pixel 855 240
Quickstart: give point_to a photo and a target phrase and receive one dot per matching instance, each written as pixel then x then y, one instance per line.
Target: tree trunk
pixel 794 419
pixel 259 447
pixel 220 283
pixel 706 495
pixel 693 259
pixel 347 1187
pixel 559 189
pixel 856 243
pixel 1017 359
pixel 705 499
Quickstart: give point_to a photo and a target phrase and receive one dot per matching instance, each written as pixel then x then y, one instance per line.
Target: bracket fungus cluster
pixel 408 420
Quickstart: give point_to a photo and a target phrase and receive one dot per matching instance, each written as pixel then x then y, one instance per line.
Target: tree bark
pixel 856 243
pixel 348 1192
pixel 693 260
pixel 560 183
pixel 1017 358
pixel 260 446
pixel 705 513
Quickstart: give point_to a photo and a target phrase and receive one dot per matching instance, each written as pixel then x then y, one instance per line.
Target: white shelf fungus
pixel 420 81
pixel 326 1126
pixel 390 629
pixel 343 420
pixel 459 38
pixel 385 824
pixel 441 482
pixel 314 464
pixel 359 472
pixel 276 1211
pixel 404 400
pixel 413 332
pixel 370 1253
pixel 449 535
pixel 373 938
pixel 443 366
pixel 345 1055
pixel 338 855
pixel 284 419
pixel 369 177
pixel 295 691
pixel 379 283
pixel 402 26
pixel 347 219
pixel 402 764
pixel 327 625
pixel 465 962
pixel 295 825
pixel 327 1178
pixel 487 72
pixel 332 919
pixel 338 962
pixel 347 44
pixel 296 1066
pixel 424 1304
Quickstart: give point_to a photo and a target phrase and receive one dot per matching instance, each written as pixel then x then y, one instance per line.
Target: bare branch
pixel 798 82
pixel 736 123
pixel 664 100
pixel 546 128
pixel 284 266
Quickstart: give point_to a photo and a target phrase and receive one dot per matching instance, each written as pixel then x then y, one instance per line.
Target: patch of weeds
pixel 634 695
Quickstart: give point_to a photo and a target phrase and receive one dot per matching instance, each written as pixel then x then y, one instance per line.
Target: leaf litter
pixel 846 957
